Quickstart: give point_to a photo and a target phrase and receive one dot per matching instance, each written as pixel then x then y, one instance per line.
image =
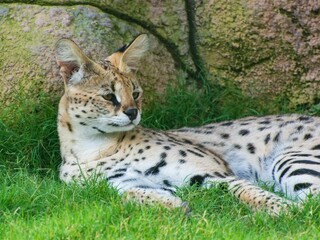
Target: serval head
pixel 101 97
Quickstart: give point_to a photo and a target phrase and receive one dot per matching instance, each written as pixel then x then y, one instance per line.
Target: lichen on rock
pixel 266 47
pixel 28 35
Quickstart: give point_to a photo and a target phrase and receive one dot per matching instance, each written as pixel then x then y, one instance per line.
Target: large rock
pixel 266 47
pixel 28 34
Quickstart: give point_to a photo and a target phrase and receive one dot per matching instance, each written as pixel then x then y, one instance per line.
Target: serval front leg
pixel 153 196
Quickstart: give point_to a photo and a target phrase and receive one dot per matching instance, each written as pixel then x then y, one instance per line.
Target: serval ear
pixel 72 61
pixel 127 58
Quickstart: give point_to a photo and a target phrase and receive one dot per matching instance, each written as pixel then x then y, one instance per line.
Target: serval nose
pixel 131 113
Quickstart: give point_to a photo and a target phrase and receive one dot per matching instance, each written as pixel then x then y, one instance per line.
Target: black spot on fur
pixel 183 130
pixel 283 173
pixel 300 186
pixel 182 161
pixel 266 122
pixel 267 139
pixel 301 155
pixel 101 163
pixel 227 123
pixel 316 147
pixel 197 180
pixel 251 148
pixel 304 118
pixel 169 190
pixel 200 150
pixel 286 123
pixel 69 126
pixel 195 153
pixel 83 124
pixel 112 84
pixel 299 128
pixel 307 136
pixel 219 175
pixel 182 153
pixel 130 180
pixel 305 171
pixel 133 137
pixel 77 116
pixel 187 141
pixel 308 161
pixel 284 163
pixel 244 132
pixel 225 135
pixel 167 147
pixel 277 137
pixel 99 130
pixel 163 155
pixel 140 151
pixel 256 176
pixel 114 124
pixel 167 183
pixel 263 128
pixel 121 170
pixel 115 176
pixel 237 146
pixel 155 170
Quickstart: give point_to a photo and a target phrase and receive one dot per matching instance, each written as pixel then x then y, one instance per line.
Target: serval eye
pixel 135 95
pixel 109 97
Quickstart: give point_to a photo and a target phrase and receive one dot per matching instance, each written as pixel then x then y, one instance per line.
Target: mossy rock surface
pixel 28 34
pixel 266 48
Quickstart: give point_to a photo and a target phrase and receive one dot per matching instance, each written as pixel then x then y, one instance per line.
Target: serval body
pixel 99 138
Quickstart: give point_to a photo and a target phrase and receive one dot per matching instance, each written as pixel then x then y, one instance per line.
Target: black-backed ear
pixel 72 61
pixel 128 57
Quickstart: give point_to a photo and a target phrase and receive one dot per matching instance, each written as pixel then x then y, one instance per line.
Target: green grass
pixel 184 105
pixel 34 204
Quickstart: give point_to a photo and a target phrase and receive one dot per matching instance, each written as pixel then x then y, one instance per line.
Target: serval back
pixel 282 150
pixel 99 137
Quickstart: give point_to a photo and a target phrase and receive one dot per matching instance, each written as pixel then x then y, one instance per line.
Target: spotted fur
pixel 99 137
pixel 282 151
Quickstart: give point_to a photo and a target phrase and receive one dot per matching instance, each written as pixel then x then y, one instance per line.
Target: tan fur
pixel 99 137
